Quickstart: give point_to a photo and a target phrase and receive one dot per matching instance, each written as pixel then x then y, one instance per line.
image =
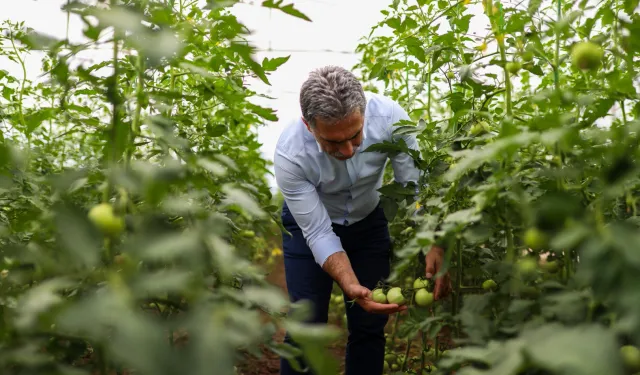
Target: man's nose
pixel 346 149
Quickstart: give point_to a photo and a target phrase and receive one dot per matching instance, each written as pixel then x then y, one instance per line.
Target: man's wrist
pixel 339 268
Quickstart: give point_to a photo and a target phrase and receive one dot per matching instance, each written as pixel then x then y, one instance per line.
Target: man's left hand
pixel 434 260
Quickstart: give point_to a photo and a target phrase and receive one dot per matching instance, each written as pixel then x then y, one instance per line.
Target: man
pixel 331 208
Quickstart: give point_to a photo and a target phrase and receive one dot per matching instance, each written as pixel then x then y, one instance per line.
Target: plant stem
pixel 424 348
pixel 22 84
pixel 511 251
pixel 458 294
pixel 556 64
pixel 406 354
pixel 507 80
pixel 135 125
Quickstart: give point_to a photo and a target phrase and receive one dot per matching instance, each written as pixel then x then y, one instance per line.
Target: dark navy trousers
pixel 368 246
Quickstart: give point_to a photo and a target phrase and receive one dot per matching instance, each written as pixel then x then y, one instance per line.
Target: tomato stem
pixel 556 64
pixel 406 354
pixel 458 283
pixel 429 93
pixel 423 356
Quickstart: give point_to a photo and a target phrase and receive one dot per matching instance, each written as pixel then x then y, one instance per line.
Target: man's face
pixel 340 139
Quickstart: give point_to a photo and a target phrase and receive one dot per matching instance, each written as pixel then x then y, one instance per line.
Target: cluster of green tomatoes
pixel 395 295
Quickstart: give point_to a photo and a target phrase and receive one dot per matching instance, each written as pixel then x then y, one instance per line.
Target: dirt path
pixel 269 363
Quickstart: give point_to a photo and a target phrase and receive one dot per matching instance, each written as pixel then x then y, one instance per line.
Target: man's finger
pixel 430 269
pixel 380 308
pixel 437 290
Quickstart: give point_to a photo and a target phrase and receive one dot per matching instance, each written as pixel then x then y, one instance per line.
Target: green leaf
pixel 394 23
pixel 266 113
pixel 415 47
pixel 216 130
pixel 600 109
pixel 212 166
pixel 38 300
pixel 270 65
pixel 396 191
pixel 288 9
pixel 534 6
pixel 586 349
pixel 79 239
pixel 34 119
pixel 630 5
pixel 235 196
pixel 245 51
pixel 389 206
pixel 314 340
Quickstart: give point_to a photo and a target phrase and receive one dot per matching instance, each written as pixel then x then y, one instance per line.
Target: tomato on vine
pixel 587 55
pixel 379 296
pixel 423 298
pixel 395 296
pixel 104 218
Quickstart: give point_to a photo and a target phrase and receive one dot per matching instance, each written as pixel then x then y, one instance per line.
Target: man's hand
pixel 434 260
pixel 339 267
pixel 363 298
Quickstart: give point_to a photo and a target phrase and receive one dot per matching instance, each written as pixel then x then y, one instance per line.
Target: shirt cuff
pixel 323 247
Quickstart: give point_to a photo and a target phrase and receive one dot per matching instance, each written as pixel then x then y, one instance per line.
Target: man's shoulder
pixel 292 139
pixel 379 104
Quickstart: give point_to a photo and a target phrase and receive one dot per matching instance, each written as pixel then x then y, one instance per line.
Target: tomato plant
pixel 529 144
pixel 136 217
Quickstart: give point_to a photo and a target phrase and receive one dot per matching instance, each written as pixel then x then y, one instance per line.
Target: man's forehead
pixel 343 136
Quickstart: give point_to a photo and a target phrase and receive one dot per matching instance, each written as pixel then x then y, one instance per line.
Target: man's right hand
pixel 363 297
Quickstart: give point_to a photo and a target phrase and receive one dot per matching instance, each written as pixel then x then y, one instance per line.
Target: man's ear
pixel 307 124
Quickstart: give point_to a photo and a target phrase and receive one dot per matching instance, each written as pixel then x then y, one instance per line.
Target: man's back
pixel 346 188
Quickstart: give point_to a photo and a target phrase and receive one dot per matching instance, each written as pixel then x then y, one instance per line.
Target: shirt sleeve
pixel 404 169
pixel 307 209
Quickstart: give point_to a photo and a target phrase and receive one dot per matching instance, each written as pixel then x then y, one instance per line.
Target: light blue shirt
pixel 320 189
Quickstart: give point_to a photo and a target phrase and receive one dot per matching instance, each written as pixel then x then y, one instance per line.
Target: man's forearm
pixel 339 268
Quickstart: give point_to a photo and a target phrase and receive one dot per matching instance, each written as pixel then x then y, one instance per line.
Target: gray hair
pixel 331 93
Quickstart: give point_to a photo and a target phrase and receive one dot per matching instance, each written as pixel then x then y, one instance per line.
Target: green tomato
pixel 513 67
pixel 535 238
pixel 489 285
pixel 420 283
pixel 390 358
pixel 248 233
pixel 451 75
pixel 423 298
pixel 527 266
pixel 587 55
pixel 631 357
pixel 386 366
pixel 430 369
pixel 379 296
pixel 103 217
pixel 480 128
pixel 401 358
pixel 338 299
pixel 394 295
pixel 395 367
pixel 551 267
pixel 527 56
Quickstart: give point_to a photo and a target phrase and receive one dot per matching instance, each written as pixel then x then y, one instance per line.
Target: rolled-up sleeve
pixel 404 169
pixel 307 209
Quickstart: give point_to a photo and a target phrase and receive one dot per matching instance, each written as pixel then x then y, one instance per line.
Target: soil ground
pixel 269 363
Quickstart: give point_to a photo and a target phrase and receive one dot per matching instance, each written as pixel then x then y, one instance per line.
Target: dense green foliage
pixel 161 137
pixel 135 211
pixel 529 138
